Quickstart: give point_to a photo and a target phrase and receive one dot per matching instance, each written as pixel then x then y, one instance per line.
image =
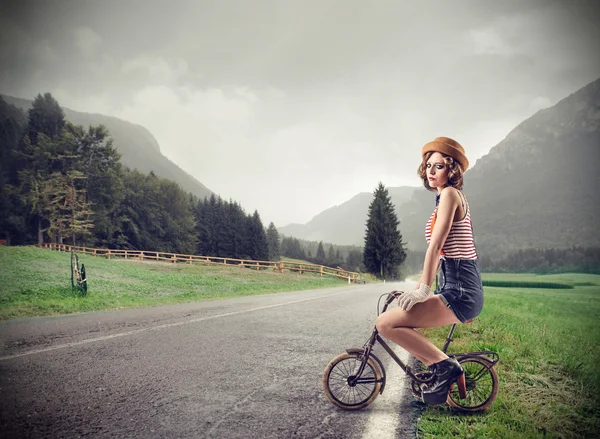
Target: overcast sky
pixel 292 107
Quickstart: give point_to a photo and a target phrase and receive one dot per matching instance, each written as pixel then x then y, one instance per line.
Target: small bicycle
pixel 354 379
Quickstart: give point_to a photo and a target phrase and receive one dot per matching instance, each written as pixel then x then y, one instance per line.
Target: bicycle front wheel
pixel 482 386
pixel 344 389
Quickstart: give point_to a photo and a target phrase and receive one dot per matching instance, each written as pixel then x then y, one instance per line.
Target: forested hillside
pixel 61 182
pixel 137 146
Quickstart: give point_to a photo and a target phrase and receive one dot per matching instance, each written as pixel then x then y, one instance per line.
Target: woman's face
pixel 437 172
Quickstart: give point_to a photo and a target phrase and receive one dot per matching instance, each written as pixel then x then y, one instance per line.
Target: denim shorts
pixel 460 287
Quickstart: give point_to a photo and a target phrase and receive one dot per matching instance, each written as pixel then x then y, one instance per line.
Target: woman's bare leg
pixel 398 326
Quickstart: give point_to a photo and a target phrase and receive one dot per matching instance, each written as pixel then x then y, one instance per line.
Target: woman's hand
pixel 421 294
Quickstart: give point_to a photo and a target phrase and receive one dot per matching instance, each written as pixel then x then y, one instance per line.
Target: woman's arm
pixel 449 202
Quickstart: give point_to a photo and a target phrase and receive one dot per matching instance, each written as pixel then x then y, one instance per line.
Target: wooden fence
pixel 140 255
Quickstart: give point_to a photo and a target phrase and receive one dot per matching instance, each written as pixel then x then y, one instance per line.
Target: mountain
pixel 138 147
pixel 344 224
pixel 536 189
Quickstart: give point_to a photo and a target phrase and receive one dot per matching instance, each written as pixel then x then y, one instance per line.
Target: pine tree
pixel 45 117
pixel 320 254
pixel 354 260
pixel 68 211
pixel 273 243
pixel 384 251
pixel 100 162
pixel 13 124
pixel 257 249
pixel 331 261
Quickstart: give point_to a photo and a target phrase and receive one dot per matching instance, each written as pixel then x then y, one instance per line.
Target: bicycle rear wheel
pixel 338 381
pixel 83 281
pixel 482 386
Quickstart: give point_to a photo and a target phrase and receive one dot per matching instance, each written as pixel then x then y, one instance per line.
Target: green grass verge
pixel 549 367
pixel 527 284
pixel 38 282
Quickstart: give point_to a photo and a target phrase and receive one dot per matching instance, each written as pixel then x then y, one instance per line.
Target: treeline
pixel 541 261
pixel 348 257
pixel 544 261
pixel 59 181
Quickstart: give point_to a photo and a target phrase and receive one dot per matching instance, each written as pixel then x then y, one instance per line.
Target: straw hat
pixel 450 147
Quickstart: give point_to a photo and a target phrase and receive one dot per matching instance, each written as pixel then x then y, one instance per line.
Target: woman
pixel 459 296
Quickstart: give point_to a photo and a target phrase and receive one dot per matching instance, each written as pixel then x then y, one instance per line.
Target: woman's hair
pixel 455 172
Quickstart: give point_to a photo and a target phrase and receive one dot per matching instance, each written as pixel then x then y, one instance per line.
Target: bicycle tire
pixel 336 381
pixel 482 386
pixel 72 270
pixel 83 282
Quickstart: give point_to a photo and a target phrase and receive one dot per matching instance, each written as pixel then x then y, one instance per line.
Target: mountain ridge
pixel 535 188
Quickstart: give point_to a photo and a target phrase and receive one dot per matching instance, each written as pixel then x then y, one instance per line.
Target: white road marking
pixel 384 416
pixel 155 328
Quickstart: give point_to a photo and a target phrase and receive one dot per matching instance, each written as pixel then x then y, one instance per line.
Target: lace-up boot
pixel 447 372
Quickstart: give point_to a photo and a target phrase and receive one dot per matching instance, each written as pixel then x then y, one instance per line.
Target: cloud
pixel 291 110
pixel 87 41
pixel 156 69
pixel 23 56
pixel 490 41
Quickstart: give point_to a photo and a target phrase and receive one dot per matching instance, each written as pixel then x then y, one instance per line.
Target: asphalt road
pixel 247 367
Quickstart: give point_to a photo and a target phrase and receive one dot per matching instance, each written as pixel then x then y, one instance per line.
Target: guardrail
pixel 143 255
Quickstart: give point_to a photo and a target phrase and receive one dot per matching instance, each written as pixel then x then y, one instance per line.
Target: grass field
pixel 547 338
pixel 550 361
pixel 37 281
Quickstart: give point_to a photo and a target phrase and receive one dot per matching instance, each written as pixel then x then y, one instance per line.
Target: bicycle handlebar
pixel 391 296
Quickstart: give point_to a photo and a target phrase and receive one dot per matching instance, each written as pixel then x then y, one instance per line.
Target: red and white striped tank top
pixel 459 243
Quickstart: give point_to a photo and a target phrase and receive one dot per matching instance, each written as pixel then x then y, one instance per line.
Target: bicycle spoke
pixel 363 388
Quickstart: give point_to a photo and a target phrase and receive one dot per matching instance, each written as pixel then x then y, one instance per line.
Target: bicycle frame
pixel 490 356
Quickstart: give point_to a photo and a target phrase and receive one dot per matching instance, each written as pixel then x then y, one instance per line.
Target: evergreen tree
pixel 273 243
pixel 257 247
pixel 68 211
pixel 384 251
pixel 45 117
pixel 331 260
pixel 176 219
pixel 13 124
pixel 354 260
pixel 291 248
pixel 44 159
pixel 320 258
pixel 99 161
pixel 41 153
pixel 139 212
